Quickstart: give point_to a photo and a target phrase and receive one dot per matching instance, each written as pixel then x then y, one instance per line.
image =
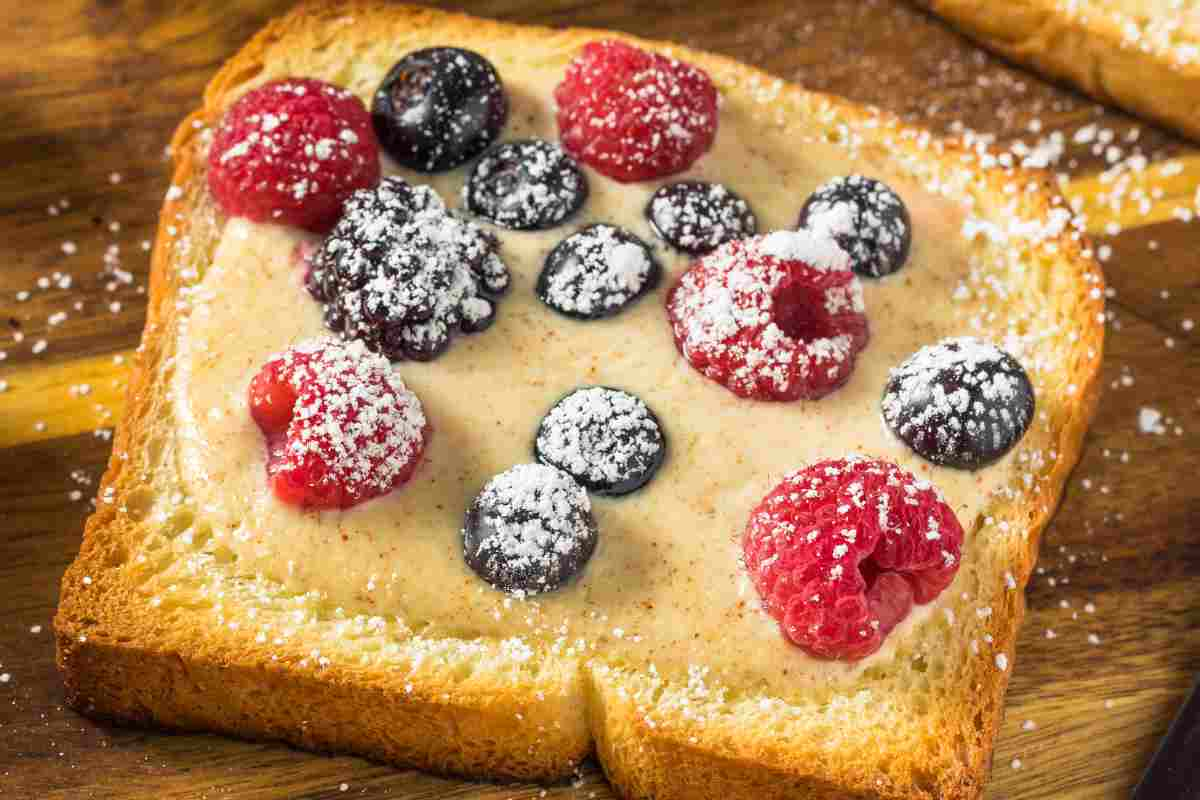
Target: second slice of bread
pixel 1140 55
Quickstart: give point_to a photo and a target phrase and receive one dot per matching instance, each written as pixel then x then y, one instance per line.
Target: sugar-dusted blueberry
pixel 597 272
pixel 529 530
pixel 438 108
pixel 962 402
pixel 526 185
pixel 696 217
pixel 607 439
pixel 866 218
pixel 403 274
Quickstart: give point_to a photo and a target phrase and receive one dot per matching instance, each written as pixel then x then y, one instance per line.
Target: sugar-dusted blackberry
pixel 696 217
pixel 402 274
pixel 438 108
pixel 607 439
pixel 526 185
pixel 597 272
pixel 529 530
pixel 866 218
pixel 962 402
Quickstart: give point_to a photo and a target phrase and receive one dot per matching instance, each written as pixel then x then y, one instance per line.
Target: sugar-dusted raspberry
pixel 292 151
pixel 841 550
pixel 775 317
pixel 634 115
pixel 341 427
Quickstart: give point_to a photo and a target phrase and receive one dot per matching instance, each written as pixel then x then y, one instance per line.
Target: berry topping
pixel 841 550
pixel 866 218
pixel 775 317
pixel 597 272
pixel 292 151
pixel 529 530
pixel 438 108
pixel 402 274
pixel 959 403
pixel 341 427
pixel 634 115
pixel 608 440
pixel 527 186
pixel 696 217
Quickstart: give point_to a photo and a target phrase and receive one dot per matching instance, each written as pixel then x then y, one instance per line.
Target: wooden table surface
pixel 89 93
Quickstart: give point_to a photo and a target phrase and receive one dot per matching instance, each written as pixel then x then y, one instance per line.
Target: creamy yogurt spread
pixel 665 585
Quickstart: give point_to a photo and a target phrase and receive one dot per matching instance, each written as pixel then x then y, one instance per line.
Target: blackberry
pixel 866 218
pixel 696 217
pixel 529 530
pixel 438 108
pixel 526 185
pixel 402 274
pixel 597 272
pixel 606 439
pixel 959 403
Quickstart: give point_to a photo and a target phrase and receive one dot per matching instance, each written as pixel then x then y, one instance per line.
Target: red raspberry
pixel 775 317
pixel 341 428
pixel 292 151
pixel 842 549
pixel 634 115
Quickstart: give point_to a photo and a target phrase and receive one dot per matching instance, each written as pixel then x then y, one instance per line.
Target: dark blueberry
pixel 529 530
pixel 959 403
pixel 527 185
pixel 696 217
pixel 438 108
pixel 608 440
pixel 402 274
pixel 866 218
pixel 597 272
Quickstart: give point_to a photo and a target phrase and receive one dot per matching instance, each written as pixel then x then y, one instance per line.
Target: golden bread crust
pixel 483 714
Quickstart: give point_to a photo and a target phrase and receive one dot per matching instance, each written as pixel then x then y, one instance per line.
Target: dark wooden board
pixel 92 89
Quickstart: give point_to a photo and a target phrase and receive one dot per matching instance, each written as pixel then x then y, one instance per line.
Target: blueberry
pixel 696 217
pixel 960 403
pixel 607 439
pixel 597 272
pixel 438 108
pixel 866 218
pixel 526 185
pixel 401 273
pixel 529 530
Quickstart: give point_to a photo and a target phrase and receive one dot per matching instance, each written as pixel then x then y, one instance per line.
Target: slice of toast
pixel 160 624
pixel 1141 55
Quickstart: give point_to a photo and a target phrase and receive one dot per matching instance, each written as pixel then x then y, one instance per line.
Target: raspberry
pixel 341 428
pixel 634 115
pixel 775 317
pixel 841 550
pixel 292 151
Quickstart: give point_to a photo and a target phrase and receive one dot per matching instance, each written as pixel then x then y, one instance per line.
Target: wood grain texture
pixel 92 89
